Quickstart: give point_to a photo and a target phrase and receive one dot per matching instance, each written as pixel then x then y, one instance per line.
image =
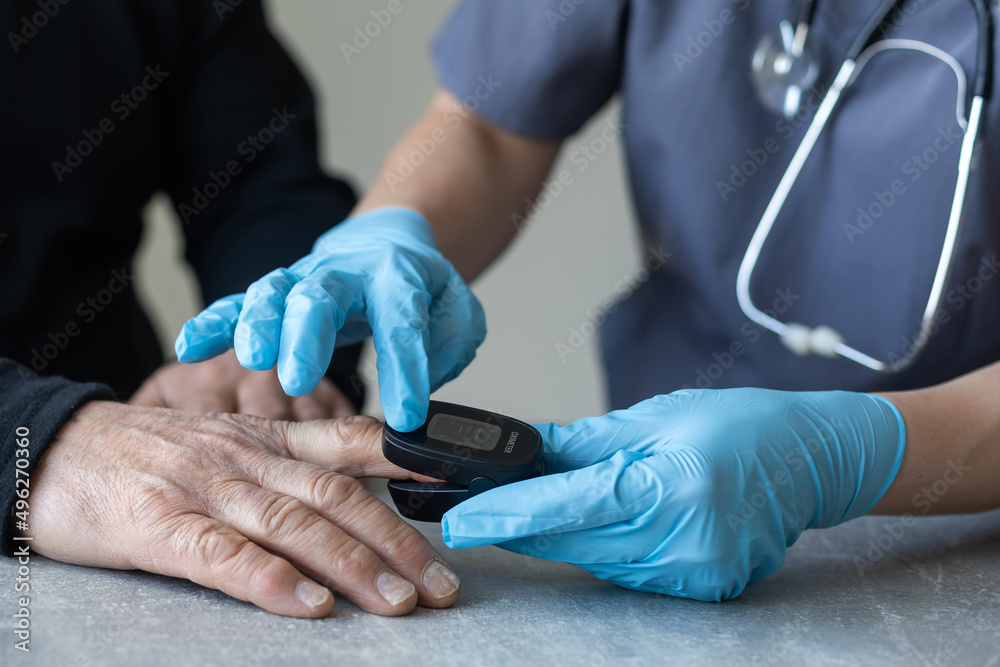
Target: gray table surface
pixel 930 597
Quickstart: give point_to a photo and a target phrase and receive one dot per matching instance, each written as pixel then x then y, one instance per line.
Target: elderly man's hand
pixel 266 511
pixel 223 385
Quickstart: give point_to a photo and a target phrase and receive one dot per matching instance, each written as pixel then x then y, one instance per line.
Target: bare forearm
pixel 952 459
pixel 469 178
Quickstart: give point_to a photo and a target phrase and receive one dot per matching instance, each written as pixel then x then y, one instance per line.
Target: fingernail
pixel 440 581
pixel 394 589
pixel 312 595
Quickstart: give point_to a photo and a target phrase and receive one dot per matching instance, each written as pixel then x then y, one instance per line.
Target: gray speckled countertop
pixel 933 598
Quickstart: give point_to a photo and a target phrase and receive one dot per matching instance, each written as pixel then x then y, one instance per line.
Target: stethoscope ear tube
pixel 983 83
pixel 870 30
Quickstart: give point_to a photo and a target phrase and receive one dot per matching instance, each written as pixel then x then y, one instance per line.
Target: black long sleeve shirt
pixel 105 103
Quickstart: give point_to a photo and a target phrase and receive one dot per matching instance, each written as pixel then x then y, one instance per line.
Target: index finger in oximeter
pixel 471 450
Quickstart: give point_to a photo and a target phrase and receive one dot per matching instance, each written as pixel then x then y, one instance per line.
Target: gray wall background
pixel 564 264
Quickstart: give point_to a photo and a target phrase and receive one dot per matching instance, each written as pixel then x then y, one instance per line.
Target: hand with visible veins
pixel 221 384
pixel 265 511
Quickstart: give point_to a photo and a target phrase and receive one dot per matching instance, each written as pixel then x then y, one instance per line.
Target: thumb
pixel 584 442
pixel 350 446
pixel 210 333
pixel 605 493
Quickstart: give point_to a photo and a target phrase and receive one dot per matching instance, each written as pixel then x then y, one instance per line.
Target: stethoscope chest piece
pixel 784 67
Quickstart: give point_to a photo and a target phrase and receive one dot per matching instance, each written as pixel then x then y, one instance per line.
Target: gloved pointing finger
pixel 380 271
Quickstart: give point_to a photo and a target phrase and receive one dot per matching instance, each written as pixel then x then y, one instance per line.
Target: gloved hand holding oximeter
pixel 378 274
pixel 695 494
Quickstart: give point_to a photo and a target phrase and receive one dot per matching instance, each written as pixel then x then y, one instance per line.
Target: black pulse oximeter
pixel 471 450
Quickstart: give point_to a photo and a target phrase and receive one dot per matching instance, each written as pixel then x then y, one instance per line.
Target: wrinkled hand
pixel 223 385
pixel 265 511
pixel 696 494
pixel 379 274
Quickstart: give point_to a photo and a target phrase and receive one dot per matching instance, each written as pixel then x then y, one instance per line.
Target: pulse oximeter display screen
pixel 463 432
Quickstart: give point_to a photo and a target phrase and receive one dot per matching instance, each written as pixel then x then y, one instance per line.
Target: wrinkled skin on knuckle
pixel 208 543
pixel 359 441
pixel 194 540
pixel 353 562
pixel 261 438
pixel 330 489
pixel 151 498
pixel 358 430
pixel 341 491
pixel 260 467
pixel 402 543
pixel 285 518
pixel 225 552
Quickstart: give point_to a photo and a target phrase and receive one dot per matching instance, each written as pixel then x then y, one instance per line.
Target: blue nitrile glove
pixel 380 272
pixel 696 494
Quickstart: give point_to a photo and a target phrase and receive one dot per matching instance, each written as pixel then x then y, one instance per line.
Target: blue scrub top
pixel 857 244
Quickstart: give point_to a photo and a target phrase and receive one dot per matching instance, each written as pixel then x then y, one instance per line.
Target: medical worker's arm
pixel 471 189
pixel 390 271
pixel 699 493
pixel 952 460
